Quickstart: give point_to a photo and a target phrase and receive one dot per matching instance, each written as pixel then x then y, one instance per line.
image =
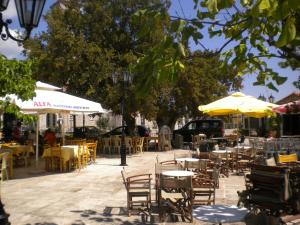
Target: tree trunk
pixel 130 122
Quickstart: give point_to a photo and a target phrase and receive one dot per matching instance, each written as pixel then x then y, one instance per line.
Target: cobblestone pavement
pixel 95 195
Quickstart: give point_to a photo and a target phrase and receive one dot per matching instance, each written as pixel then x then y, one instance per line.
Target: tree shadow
pixel 116 215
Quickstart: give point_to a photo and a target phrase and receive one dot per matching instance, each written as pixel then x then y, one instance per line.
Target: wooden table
pixel 147 141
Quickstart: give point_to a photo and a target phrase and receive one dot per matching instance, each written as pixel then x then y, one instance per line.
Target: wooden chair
pixel 175 197
pixel 269 189
pixel 186 154
pixel 198 166
pixel 138 189
pixel 4 166
pixel 23 159
pixel 92 147
pixel 47 158
pixel 138 144
pixel 85 155
pixel 196 140
pixel 106 143
pixel 116 144
pixel 129 145
pixel 204 190
pixel 56 159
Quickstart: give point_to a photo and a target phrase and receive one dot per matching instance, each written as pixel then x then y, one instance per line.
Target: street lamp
pixel 271 98
pixel 124 78
pixel 29 14
pixel 262 97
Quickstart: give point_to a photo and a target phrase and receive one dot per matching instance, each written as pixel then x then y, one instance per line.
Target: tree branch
pixel 231 39
pixel 209 22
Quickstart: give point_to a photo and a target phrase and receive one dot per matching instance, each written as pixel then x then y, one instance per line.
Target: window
pixel 204 125
pixel 51 120
pixel 191 126
pixel 215 125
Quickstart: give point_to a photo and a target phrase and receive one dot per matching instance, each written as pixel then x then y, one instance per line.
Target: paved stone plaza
pixel 95 195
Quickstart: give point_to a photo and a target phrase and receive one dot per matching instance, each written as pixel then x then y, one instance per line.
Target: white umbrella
pixel 49 100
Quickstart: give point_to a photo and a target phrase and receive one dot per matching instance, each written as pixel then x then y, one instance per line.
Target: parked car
pixel 209 127
pixel 86 132
pixel 142 131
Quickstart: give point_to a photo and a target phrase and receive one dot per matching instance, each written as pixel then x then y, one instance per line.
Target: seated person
pixel 17 133
pixel 49 137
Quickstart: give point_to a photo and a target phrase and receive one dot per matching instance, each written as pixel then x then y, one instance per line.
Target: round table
pixel 178 173
pixel 187 159
pixel 221 151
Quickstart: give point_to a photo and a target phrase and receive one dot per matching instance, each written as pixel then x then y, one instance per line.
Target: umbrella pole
pixel 37 140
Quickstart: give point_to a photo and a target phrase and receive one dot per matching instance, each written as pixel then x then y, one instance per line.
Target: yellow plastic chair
pixel 129 145
pixel 4 166
pixel 291 158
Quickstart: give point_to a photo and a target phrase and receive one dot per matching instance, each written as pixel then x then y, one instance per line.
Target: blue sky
pixel 183 8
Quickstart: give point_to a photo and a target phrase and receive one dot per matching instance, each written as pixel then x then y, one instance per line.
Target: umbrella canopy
pixel 291 107
pixel 49 100
pixel 238 103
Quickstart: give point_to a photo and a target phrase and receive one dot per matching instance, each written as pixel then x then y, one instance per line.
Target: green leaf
pixel 181 49
pixel 264 5
pixel 212 6
pixel 245 2
pixel 280 80
pixel 271 86
pixel 294 4
pixel 288 33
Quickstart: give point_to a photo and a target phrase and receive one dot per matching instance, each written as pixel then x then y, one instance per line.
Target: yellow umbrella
pixel 238 103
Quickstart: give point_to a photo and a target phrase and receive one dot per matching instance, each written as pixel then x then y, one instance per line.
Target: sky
pixel 182 8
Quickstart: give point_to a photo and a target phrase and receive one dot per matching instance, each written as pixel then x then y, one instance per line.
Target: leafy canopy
pixel 15 78
pixel 254 30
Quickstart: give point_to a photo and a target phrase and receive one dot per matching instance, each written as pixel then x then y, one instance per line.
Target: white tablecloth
pixel 178 173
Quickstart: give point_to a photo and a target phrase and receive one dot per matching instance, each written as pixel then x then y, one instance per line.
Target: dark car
pixel 142 131
pixel 209 127
pixel 86 132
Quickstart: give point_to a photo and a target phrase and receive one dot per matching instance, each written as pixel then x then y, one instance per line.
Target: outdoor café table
pixel 68 152
pixel 240 147
pixel 187 159
pixel 147 141
pixel 221 152
pixel 15 149
pixel 177 173
pixel 18 149
pixel 220 140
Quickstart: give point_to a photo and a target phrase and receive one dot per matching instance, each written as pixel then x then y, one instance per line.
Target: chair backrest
pixel 139 141
pixel 128 142
pixel 200 165
pixel 287 158
pixel 177 183
pixel 76 141
pixel 271 161
pixel 159 168
pixel 124 178
pixel 106 142
pixel 4 157
pixel 55 151
pixel 115 141
pixel 186 154
pixel 136 181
